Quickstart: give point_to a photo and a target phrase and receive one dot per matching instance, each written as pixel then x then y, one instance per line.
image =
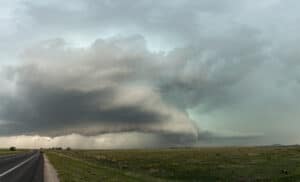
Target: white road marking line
pixel 17 166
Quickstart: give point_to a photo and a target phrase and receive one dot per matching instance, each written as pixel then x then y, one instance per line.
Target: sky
pixel 143 73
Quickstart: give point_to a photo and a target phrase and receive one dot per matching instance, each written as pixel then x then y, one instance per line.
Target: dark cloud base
pixel 232 65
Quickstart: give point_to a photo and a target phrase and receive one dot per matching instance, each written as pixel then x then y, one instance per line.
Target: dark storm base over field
pixel 276 163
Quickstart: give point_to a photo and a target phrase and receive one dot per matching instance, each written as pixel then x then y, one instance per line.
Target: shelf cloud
pixel 171 73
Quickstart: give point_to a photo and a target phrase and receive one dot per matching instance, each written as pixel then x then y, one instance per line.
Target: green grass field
pixel 194 164
pixel 8 152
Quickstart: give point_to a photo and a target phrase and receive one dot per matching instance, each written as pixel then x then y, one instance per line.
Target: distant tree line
pixel 59 148
pixel 12 148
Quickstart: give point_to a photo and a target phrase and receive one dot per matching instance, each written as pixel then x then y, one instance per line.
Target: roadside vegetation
pixel 74 169
pixel 11 151
pixel 190 164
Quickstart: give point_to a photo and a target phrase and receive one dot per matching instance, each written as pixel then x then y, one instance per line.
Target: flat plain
pixel 8 152
pixel 183 164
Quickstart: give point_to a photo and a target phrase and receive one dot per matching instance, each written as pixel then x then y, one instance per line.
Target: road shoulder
pixel 50 174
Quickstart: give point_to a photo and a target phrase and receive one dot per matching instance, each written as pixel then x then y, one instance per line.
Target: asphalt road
pixel 27 167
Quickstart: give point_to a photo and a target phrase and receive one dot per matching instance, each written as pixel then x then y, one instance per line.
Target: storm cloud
pixel 97 90
pixel 172 73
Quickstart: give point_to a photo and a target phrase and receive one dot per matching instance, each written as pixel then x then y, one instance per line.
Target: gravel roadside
pixel 50 175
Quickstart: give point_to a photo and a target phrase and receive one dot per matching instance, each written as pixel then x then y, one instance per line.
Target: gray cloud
pixel 101 89
pixel 117 85
pixel 172 70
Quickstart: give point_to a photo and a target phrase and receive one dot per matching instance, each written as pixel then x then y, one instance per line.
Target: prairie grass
pixel 186 164
pixel 8 152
